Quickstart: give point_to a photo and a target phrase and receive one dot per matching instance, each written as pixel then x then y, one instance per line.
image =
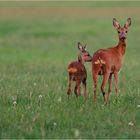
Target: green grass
pixel 36 44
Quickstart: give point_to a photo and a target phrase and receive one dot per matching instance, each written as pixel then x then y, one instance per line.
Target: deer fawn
pixel 77 71
pixel 108 62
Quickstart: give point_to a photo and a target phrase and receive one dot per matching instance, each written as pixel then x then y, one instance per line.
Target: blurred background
pixel 37 41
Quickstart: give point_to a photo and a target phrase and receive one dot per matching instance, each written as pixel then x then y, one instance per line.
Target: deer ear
pixel 128 23
pixel 85 46
pixel 80 46
pixel 116 23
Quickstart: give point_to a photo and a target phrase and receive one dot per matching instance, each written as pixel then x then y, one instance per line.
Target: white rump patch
pixel 72 70
pixel 100 61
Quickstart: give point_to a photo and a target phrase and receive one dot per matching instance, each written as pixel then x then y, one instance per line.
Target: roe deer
pixel 77 71
pixel 108 62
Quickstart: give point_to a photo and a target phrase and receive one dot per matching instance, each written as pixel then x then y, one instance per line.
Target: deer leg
pixel 95 85
pixel 105 78
pixel 77 89
pixel 116 83
pixel 109 86
pixel 69 86
pixel 84 84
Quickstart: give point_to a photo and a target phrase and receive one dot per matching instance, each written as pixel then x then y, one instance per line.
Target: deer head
pixel 122 31
pixel 84 55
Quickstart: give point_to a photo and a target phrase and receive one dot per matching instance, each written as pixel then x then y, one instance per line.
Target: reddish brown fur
pixel 108 62
pixel 77 71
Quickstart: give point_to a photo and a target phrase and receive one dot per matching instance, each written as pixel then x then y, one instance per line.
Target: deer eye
pixel 125 31
pixel 118 31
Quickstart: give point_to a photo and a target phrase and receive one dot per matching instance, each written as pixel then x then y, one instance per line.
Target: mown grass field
pixel 37 41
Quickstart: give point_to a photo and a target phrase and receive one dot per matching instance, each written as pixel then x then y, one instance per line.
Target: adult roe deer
pixel 77 71
pixel 108 62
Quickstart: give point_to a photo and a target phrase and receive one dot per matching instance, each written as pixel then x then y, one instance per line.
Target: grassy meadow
pixel 37 41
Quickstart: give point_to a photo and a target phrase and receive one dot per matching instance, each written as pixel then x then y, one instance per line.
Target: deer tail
pixel 100 61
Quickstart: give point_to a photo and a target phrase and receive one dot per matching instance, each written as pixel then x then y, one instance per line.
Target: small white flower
pixel 138 106
pixel 55 124
pixel 59 99
pixel 14 103
pixel 130 123
pixel 34 84
pixel 40 96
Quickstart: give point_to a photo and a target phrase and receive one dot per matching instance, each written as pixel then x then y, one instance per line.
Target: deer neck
pixel 80 60
pixel 121 46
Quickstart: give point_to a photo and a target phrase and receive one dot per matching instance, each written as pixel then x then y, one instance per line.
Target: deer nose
pixel 123 36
